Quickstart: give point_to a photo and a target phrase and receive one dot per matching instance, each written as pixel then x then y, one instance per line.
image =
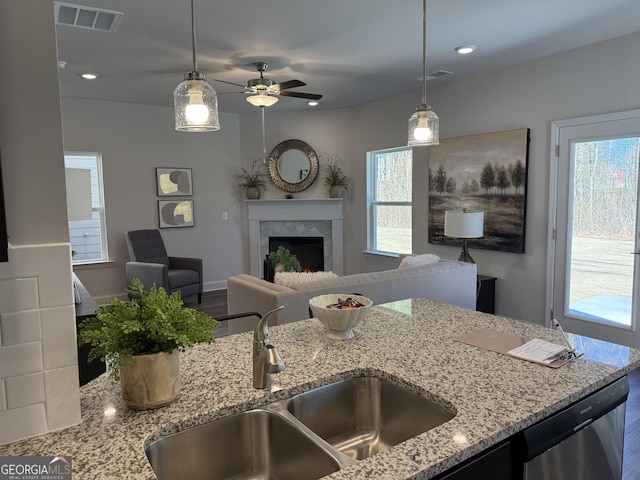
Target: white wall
pixel 134 140
pixel 38 361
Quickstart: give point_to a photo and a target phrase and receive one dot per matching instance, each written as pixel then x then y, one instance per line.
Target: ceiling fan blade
pixel 229 83
pixel 227 93
pixel 309 96
pixel 288 84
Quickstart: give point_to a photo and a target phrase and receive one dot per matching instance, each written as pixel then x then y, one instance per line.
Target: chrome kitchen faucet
pixel 266 359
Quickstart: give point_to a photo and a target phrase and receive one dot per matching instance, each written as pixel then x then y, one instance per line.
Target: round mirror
pixel 293 165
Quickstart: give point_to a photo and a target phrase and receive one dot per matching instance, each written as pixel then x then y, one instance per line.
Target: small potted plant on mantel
pixel 251 180
pixel 141 339
pixel 334 177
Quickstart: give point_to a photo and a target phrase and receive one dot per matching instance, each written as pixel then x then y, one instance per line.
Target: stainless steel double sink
pixel 308 436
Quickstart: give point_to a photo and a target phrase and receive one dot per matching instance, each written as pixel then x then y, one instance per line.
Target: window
pixel 85 207
pixel 389 175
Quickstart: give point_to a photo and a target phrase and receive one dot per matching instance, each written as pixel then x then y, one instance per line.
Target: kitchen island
pixel 493 396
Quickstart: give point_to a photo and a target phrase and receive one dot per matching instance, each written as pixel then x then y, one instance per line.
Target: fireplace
pixel 320 217
pixel 309 250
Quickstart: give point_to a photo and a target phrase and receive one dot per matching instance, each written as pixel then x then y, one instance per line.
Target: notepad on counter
pixel 540 351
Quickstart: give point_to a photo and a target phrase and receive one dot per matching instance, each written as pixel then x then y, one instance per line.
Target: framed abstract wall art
pixel 174 182
pixel 488 173
pixel 175 213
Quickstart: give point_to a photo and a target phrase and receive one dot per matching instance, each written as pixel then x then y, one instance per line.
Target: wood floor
pixel 215 304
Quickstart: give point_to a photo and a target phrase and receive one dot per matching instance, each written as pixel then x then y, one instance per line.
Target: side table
pixel 486 294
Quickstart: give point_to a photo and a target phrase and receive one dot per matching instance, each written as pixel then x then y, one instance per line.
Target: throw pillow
pixel 295 279
pixel 411 260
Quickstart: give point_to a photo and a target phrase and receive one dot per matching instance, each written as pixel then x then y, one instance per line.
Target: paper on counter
pixel 539 351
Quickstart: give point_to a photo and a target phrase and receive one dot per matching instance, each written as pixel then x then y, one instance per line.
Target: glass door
pixel 596 248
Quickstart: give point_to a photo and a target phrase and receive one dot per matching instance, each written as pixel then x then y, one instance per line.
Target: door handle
pixel 634 253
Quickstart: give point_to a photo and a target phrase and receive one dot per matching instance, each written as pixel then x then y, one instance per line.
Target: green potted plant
pixel 334 177
pixel 141 339
pixel 252 180
pixel 284 261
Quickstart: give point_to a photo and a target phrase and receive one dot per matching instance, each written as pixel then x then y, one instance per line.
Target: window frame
pixel 100 209
pixel 372 203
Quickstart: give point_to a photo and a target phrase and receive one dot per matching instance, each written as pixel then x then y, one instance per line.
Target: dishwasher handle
pixel 584 424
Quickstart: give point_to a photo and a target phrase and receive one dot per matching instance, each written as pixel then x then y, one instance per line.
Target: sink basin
pixel 367 415
pixel 256 444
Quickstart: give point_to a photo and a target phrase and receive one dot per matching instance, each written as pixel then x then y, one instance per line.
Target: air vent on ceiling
pixel 438 74
pixel 87 17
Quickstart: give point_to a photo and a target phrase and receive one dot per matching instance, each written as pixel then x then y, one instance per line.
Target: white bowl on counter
pixel 340 322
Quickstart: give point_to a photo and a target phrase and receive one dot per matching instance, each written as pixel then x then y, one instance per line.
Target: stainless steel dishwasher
pixel 582 442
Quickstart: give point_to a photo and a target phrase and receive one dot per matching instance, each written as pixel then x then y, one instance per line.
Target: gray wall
pixel 596 79
pixel 532 95
pixel 134 140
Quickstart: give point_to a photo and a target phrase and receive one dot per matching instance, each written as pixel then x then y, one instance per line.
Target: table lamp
pixel 463 224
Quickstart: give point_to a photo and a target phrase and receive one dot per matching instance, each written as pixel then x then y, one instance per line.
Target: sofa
pixel 445 281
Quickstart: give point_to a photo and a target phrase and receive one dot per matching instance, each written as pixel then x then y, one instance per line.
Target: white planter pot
pixel 151 381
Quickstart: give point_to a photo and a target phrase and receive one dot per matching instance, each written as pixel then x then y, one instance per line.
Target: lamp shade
pixel 424 127
pixel 262 100
pixel 461 224
pixel 196 105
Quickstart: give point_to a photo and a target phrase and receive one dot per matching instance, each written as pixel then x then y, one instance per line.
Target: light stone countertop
pixel 494 395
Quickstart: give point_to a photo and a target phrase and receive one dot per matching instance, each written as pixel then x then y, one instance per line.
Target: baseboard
pixel 211 286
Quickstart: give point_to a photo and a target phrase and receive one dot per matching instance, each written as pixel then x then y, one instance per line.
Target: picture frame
pixel 485 172
pixel 175 213
pixel 174 182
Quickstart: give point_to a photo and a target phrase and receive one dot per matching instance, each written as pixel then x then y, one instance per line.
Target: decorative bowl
pixel 339 322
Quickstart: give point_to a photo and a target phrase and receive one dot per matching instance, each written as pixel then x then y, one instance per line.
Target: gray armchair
pixel 150 263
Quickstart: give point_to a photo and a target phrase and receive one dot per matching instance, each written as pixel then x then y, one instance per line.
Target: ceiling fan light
pixel 424 127
pixel 262 100
pixel 196 106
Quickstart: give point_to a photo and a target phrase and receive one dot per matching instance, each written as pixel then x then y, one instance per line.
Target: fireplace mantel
pixel 294 210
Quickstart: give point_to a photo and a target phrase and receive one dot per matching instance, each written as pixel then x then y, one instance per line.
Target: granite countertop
pixel 494 395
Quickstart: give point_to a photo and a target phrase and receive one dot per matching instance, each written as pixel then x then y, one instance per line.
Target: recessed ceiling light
pixel 312 103
pixel 465 49
pixel 89 76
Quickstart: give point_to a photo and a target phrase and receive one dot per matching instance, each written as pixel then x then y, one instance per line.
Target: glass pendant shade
pixel 196 105
pixel 424 127
pixel 262 100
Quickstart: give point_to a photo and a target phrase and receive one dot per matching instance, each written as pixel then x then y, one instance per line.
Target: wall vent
pixel 438 74
pixel 87 17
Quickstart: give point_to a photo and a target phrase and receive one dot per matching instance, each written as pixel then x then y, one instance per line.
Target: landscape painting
pixel 488 173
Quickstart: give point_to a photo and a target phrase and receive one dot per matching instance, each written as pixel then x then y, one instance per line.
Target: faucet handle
pixel 263 325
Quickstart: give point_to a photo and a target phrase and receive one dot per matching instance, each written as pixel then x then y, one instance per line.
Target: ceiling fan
pixel 265 91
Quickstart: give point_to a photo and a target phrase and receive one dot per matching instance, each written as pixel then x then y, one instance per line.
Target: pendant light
pixel 424 125
pixel 195 101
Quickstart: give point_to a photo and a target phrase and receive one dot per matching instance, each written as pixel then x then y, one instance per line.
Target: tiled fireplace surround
pixel 319 217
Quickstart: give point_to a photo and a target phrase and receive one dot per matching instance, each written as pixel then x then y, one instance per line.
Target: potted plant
pixel 334 177
pixel 284 261
pixel 252 180
pixel 141 339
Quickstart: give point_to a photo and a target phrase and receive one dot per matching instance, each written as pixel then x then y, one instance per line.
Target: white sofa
pixel 446 281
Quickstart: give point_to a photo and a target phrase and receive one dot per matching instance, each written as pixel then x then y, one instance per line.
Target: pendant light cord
pixel 193 34
pixel 424 52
